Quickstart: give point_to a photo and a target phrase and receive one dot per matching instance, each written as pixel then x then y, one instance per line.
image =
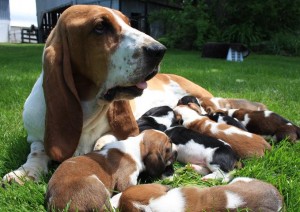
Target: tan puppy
pixel 241 193
pixel 245 144
pixel 87 182
pixel 212 104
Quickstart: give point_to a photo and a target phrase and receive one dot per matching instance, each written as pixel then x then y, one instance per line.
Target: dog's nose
pixel 155 50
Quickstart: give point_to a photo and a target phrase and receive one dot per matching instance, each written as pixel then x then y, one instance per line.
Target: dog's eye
pixel 99 28
pixel 168 150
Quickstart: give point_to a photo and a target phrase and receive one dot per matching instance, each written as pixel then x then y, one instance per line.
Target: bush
pixel 266 25
pixel 284 43
pixel 186 28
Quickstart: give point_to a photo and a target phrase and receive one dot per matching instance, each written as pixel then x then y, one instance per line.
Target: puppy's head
pixel 156 152
pixel 188 99
pixel 185 112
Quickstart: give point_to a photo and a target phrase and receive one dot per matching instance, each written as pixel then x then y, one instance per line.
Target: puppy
pixel 223 118
pixel 241 193
pixel 212 104
pixel 85 183
pixel 266 123
pixel 206 154
pixel 217 117
pixel 159 118
pixel 244 144
pixel 188 99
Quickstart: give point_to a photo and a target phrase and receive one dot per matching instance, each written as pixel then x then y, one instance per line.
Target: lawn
pixel 272 80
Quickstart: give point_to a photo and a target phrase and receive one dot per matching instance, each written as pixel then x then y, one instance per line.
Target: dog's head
pixel 157 152
pixel 107 58
pixel 92 55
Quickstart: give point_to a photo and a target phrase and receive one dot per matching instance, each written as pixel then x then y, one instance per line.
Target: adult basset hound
pixel 93 63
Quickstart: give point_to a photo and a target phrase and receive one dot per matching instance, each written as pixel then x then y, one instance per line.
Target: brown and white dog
pixel 241 193
pixel 266 123
pixel 93 62
pixel 85 183
pixel 244 144
pixel 213 104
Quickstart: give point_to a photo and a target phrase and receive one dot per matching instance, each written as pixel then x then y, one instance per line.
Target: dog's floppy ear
pixel 63 110
pixel 154 164
pixel 121 120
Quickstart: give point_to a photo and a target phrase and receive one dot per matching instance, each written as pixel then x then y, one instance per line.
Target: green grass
pixel 272 80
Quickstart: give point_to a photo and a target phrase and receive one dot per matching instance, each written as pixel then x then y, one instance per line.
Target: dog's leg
pixel 219 175
pixel 36 164
pixel 106 139
pixel 200 169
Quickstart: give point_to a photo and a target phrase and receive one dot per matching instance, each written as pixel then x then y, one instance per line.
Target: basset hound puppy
pixel 241 194
pixel 244 144
pixel 212 104
pixel 158 118
pixel 207 155
pixel 85 183
pixel 266 123
pixel 216 116
pixel 93 64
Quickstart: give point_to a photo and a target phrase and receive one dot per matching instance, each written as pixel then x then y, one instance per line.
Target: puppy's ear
pixel 121 120
pixel 63 124
pixel 195 107
pixel 154 164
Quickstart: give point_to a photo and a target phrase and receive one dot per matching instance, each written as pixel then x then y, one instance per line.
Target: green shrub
pixel 186 28
pixel 284 43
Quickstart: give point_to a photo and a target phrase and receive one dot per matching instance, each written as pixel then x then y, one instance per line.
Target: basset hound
pixel 241 194
pixel 159 118
pixel 212 104
pixel 85 183
pixel 207 155
pixel 215 116
pixel 266 123
pixel 93 64
pixel 245 144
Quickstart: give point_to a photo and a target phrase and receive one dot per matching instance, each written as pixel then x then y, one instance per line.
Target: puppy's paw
pixel 199 169
pixel 20 176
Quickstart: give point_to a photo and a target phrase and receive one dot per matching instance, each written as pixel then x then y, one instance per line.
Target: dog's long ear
pixel 63 110
pixel 154 164
pixel 121 120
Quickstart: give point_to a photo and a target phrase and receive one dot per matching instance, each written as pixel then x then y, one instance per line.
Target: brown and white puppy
pixel 266 123
pixel 241 193
pixel 93 63
pixel 243 143
pixel 87 182
pixel 212 104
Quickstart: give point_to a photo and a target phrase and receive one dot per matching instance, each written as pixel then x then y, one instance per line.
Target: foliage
pixel 186 28
pixel 252 22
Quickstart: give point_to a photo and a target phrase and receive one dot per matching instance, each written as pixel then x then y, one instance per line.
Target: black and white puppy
pixel 188 99
pixel 158 118
pixel 208 156
pixel 222 118
pixel 266 123
pixel 217 117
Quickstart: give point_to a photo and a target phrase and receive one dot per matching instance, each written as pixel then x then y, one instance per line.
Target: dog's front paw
pixel 21 175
